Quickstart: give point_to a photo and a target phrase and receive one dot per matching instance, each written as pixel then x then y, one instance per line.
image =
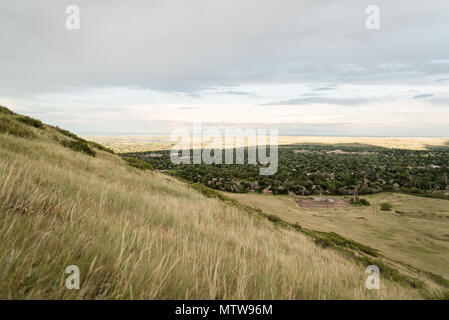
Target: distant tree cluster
pixel 308 169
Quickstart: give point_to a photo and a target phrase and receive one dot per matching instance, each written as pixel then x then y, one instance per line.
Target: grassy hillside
pixel 139 234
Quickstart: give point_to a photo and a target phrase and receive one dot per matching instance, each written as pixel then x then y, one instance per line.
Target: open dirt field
pixel 320 202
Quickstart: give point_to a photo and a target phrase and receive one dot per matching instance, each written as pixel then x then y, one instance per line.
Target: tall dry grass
pixel 142 235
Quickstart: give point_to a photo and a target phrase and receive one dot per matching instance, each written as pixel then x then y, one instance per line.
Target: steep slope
pixel 140 234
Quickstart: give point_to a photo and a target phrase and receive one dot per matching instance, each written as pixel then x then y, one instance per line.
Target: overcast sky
pixel 306 67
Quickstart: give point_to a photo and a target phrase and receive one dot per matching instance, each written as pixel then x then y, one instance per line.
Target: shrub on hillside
pixel 31 122
pixel 386 206
pixel 359 201
pixel 274 218
pixel 332 239
pixel 80 146
pixel 364 202
pixel 137 163
pixel 5 110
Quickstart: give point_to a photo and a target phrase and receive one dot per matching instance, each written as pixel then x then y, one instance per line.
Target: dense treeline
pixel 308 169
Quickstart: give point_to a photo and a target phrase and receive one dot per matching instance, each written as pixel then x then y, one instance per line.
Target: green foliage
pixel 313 169
pixel 137 163
pixel 31 122
pixel 274 218
pixel 359 201
pixel 386 206
pixel 6 110
pixel 425 193
pixel 14 128
pixel 332 239
pixel 364 202
pixel 208 192
pixel 79 146
pixel 296 226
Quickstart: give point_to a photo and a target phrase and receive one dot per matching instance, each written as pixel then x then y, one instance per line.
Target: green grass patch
pixel 332 239
pixel 364 202
pixel 208 192
pixel 359 201
pixel 386 206
pixel 137 163
pixel 6 110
